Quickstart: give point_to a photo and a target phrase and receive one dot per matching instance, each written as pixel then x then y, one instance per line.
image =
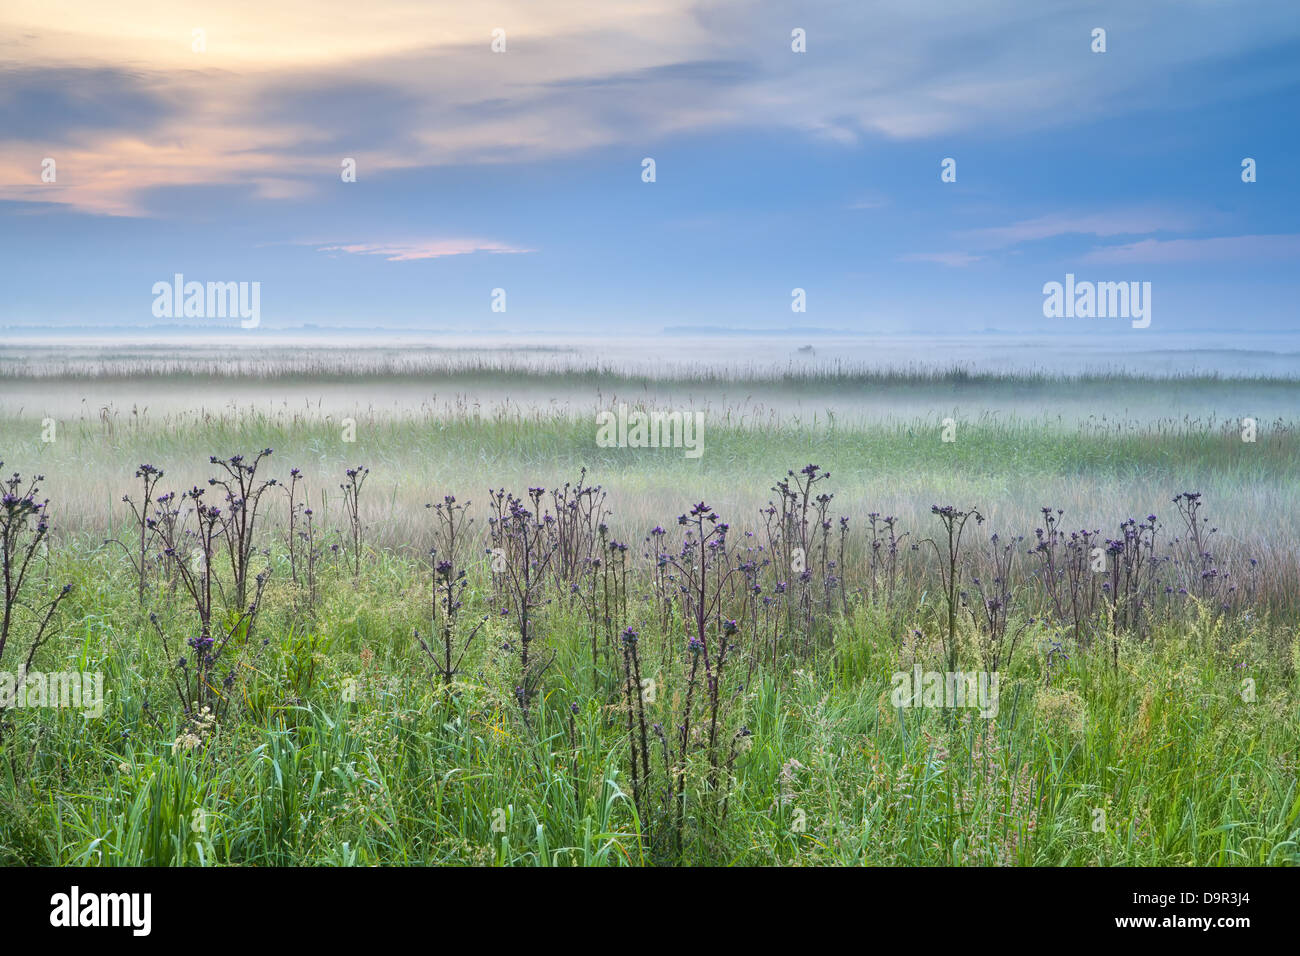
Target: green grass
pixel 90 463
pixel 341 748
pixel 1185 769
pixel 1009 468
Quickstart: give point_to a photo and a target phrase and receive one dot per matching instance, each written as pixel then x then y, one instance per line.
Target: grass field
pixel 619 696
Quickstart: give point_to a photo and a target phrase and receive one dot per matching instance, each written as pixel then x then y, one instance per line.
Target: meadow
pixel 436 623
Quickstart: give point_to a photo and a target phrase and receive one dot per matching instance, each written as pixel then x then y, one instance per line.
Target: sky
pixel 218 155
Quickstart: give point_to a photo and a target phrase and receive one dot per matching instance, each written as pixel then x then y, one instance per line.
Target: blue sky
pixel 521 170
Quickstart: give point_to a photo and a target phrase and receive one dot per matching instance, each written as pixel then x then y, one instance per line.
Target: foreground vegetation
pixel 544 682
pixel 406 771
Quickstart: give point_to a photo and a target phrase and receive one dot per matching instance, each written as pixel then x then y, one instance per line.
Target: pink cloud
pixel 407 251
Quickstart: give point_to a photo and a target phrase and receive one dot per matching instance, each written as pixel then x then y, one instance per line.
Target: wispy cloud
pixel 407 251
pixel 871 201
pixel 1116 222
pixel 954 259
pixel 263 103
pixel 1214 249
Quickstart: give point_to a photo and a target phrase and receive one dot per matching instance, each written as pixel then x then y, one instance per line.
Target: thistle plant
pixel 310 554
pixel 796 510
pixel 1131 582
pixel 1202 576
pixel 839 566
pixel 197 677
pixel 1066 573
pixel 449 583
pixel 527 537
pixel 191 550
pixel 146 530
pixel 243 497
pixel 996 591
pixel 579 511
pixel 706 574
pixel 886 544
pixel 296 507
pixel 613 583
pixel 638 739
pixel 351 488
pixel 24 530
pixel 660 585
pixel 948 551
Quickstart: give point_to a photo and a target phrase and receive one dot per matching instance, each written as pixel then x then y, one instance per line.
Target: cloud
pixel 284 90
pixel 955 259
pixel 1215 249
pixel 41 104
pixel 1116 222
pixel 872 201
pixel 408 251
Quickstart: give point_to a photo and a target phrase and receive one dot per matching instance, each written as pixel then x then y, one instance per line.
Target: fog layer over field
pixel 742 379
pixel 429 421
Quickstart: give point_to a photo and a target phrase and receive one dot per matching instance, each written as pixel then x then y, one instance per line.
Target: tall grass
pixel 341 745
pixel 1181 768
